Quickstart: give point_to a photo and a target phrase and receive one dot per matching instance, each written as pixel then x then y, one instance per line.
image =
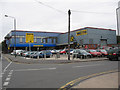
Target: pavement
pixel 103 81
pixel 62 60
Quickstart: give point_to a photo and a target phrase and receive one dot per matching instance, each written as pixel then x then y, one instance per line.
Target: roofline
pixel 34 31
pixel 66 32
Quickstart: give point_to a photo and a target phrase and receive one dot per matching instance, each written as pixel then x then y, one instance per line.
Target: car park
pixel 79 53
pixel 114 54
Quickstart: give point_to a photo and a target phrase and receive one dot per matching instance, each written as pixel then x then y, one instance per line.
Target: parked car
pixel 32 54
pixel 25 54
pixel 94 52
pixel 53 51
pixel 19 53
pixel 15 52
pixel 79 53
pixel 114 54
pixel 42 54
pixel 103 51
pixel 63 51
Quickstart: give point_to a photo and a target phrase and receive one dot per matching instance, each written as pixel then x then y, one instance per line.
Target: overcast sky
pixel 51 15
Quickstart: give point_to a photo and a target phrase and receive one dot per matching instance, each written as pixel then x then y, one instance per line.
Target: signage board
pixel 81 32
pixel 29 37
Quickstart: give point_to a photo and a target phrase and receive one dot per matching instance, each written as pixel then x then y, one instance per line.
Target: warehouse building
pixel 36 40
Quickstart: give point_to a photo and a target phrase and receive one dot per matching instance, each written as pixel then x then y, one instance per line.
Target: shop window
pixel 21 39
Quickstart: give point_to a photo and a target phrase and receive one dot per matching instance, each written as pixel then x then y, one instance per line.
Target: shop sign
pixel 29 37
pixel 81 32
pixel 37 45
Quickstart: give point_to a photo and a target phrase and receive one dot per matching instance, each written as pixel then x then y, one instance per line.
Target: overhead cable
pixel 50 6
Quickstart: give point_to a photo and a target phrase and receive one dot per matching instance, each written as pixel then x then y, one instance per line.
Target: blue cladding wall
pixel 43 35
pixel 54 39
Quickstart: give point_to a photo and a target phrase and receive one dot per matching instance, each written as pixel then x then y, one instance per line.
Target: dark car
pixel 43 54
pixel 79 53
pixel 114 54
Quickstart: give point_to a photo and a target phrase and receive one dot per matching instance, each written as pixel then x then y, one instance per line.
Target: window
pixel 52 40
pixel 42 40
pixel 56 40
pixel 21 39
pixel 35 40
pixel 46 40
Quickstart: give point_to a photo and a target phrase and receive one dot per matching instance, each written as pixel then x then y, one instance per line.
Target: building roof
pixel 66 32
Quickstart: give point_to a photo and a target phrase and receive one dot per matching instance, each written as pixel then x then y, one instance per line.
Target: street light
pixel 14 30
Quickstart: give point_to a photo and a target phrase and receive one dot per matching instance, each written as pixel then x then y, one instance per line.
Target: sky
pixel 52 15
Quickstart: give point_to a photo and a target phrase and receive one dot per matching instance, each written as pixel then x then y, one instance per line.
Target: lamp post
pixel 14 31
pixel 117 19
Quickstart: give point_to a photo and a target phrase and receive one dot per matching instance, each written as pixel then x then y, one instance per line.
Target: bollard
pixel 37 57
pixel 44 56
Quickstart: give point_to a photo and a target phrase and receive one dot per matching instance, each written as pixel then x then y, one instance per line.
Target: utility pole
pixel 117 16
pixel 69 13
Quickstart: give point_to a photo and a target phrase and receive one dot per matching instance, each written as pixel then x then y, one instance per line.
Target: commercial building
pixel 36 40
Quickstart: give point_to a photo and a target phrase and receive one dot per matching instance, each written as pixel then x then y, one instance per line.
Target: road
pixel 50 75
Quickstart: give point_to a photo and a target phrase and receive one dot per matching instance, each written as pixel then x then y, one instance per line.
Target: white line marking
pixel 11 72
pixel 87 65
pixel 7 79
pixel 5 83
pixel 9 75
pixel 35 69
pixel 7 67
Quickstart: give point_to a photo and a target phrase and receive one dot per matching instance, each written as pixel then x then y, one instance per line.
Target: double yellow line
pixel 73 82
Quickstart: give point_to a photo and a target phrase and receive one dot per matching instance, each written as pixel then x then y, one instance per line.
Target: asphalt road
pixel 50 75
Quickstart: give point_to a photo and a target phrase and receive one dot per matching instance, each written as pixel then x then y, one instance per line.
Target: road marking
pixel 36 69
pixel 10 72
pixel 9 75
pixel 87 65
pixel 5 84
pixel 7 67
pixel 7 79
pixel 73 82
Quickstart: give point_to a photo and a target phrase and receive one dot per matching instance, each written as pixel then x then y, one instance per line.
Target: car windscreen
pixel 103 50
pixel 92 50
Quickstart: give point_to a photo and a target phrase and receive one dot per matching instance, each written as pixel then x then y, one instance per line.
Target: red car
pixel 63 51
pixel 94 52
pixel 103 51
